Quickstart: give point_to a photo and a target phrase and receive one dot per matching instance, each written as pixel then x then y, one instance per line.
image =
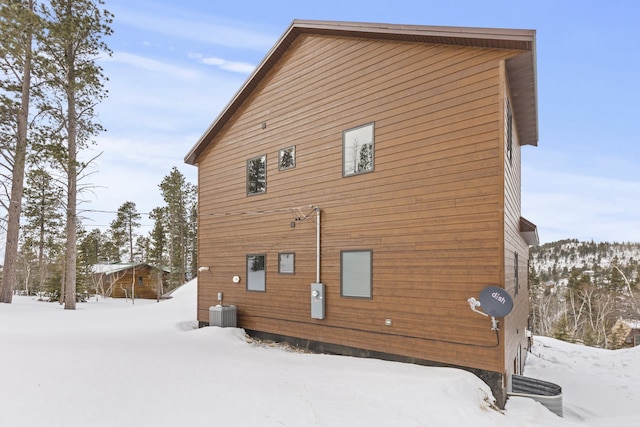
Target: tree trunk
pixel 17 180
pixel 159 286
pixel 72 193
pixel 133 285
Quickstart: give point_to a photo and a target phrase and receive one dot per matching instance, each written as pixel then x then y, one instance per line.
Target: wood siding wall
pixel 431 212
pixel 147 289
pixel 516 323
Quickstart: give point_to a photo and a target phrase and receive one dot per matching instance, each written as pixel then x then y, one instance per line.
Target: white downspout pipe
pixel 317 245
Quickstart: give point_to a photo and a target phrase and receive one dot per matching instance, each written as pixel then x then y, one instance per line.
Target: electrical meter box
pixel 317 301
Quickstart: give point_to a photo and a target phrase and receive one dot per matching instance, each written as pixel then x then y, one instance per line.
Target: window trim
pixel 280 154
pixel 345 136
pixel 248 181
pixel 293 263
pixel 264 285
pixel 342 274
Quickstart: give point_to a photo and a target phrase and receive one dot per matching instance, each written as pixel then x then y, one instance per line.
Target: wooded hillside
pixel 579 290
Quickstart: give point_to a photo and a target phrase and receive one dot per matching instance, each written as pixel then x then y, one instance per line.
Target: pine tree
pixel 617 282
pixel 157 246
pixel 18 25
pixel 123 228
pixel 95 247
pixel 141 249
pixel 158 237
pixel 71 44
pixel 43 225
pixel 180 196
pixel 91 246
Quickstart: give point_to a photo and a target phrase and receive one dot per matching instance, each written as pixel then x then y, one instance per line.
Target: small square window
pixel 357 150
pixel 256 272
pixel 286 263
pixel 257 175
pixel 287 158
pixel 356 274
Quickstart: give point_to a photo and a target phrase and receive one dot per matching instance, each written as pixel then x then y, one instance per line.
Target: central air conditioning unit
pixel 223 316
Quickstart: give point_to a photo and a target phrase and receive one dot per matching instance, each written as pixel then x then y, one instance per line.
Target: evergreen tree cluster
pixel 169 245
pixel 50 85
pixel 582 291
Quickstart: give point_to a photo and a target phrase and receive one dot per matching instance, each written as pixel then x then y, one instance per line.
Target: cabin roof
pixel 521 69
pixel 114 268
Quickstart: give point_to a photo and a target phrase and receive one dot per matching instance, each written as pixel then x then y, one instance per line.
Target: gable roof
pixel 521 69
pixel 118 267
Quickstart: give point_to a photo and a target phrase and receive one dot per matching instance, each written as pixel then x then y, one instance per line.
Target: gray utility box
pixel 317 301
pixel 223 316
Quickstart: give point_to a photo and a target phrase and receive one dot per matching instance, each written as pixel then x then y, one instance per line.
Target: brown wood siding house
pixel 430 216
pixel 127 280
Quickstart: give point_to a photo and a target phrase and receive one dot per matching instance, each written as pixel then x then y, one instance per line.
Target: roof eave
pixel 522 76
pixel 529 232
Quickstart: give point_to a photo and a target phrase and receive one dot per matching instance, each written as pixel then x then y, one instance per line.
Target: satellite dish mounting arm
pixel 474 304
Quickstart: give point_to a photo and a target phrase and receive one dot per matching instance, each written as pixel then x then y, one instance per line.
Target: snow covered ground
pixel 111 363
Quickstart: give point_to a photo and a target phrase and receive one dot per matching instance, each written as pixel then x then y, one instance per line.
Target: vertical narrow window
pixel 357 150
pixel 256 273
pixel 286 263
pixel 509 132
pixel 139 280
pixel 287 158
pixel 516 281
pixel 257 175
pixel 356 274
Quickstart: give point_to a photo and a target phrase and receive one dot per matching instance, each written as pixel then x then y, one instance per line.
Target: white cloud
pixel 200 27
pixel 223 64
pixel 235 66
pixel 149 64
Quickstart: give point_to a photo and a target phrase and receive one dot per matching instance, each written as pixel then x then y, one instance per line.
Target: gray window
pixel 257 175
pixel 356 274
pixel 287 158
pixel 256 272
pixel 357 150
pixel 286 263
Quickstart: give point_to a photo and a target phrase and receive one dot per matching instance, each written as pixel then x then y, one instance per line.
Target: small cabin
pixel 627 333
pixel 365 183
pixel 136 280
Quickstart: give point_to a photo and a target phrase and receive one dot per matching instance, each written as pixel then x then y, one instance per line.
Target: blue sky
pixel 175 65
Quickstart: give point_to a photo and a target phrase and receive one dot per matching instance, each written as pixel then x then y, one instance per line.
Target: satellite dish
pixel 495 301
